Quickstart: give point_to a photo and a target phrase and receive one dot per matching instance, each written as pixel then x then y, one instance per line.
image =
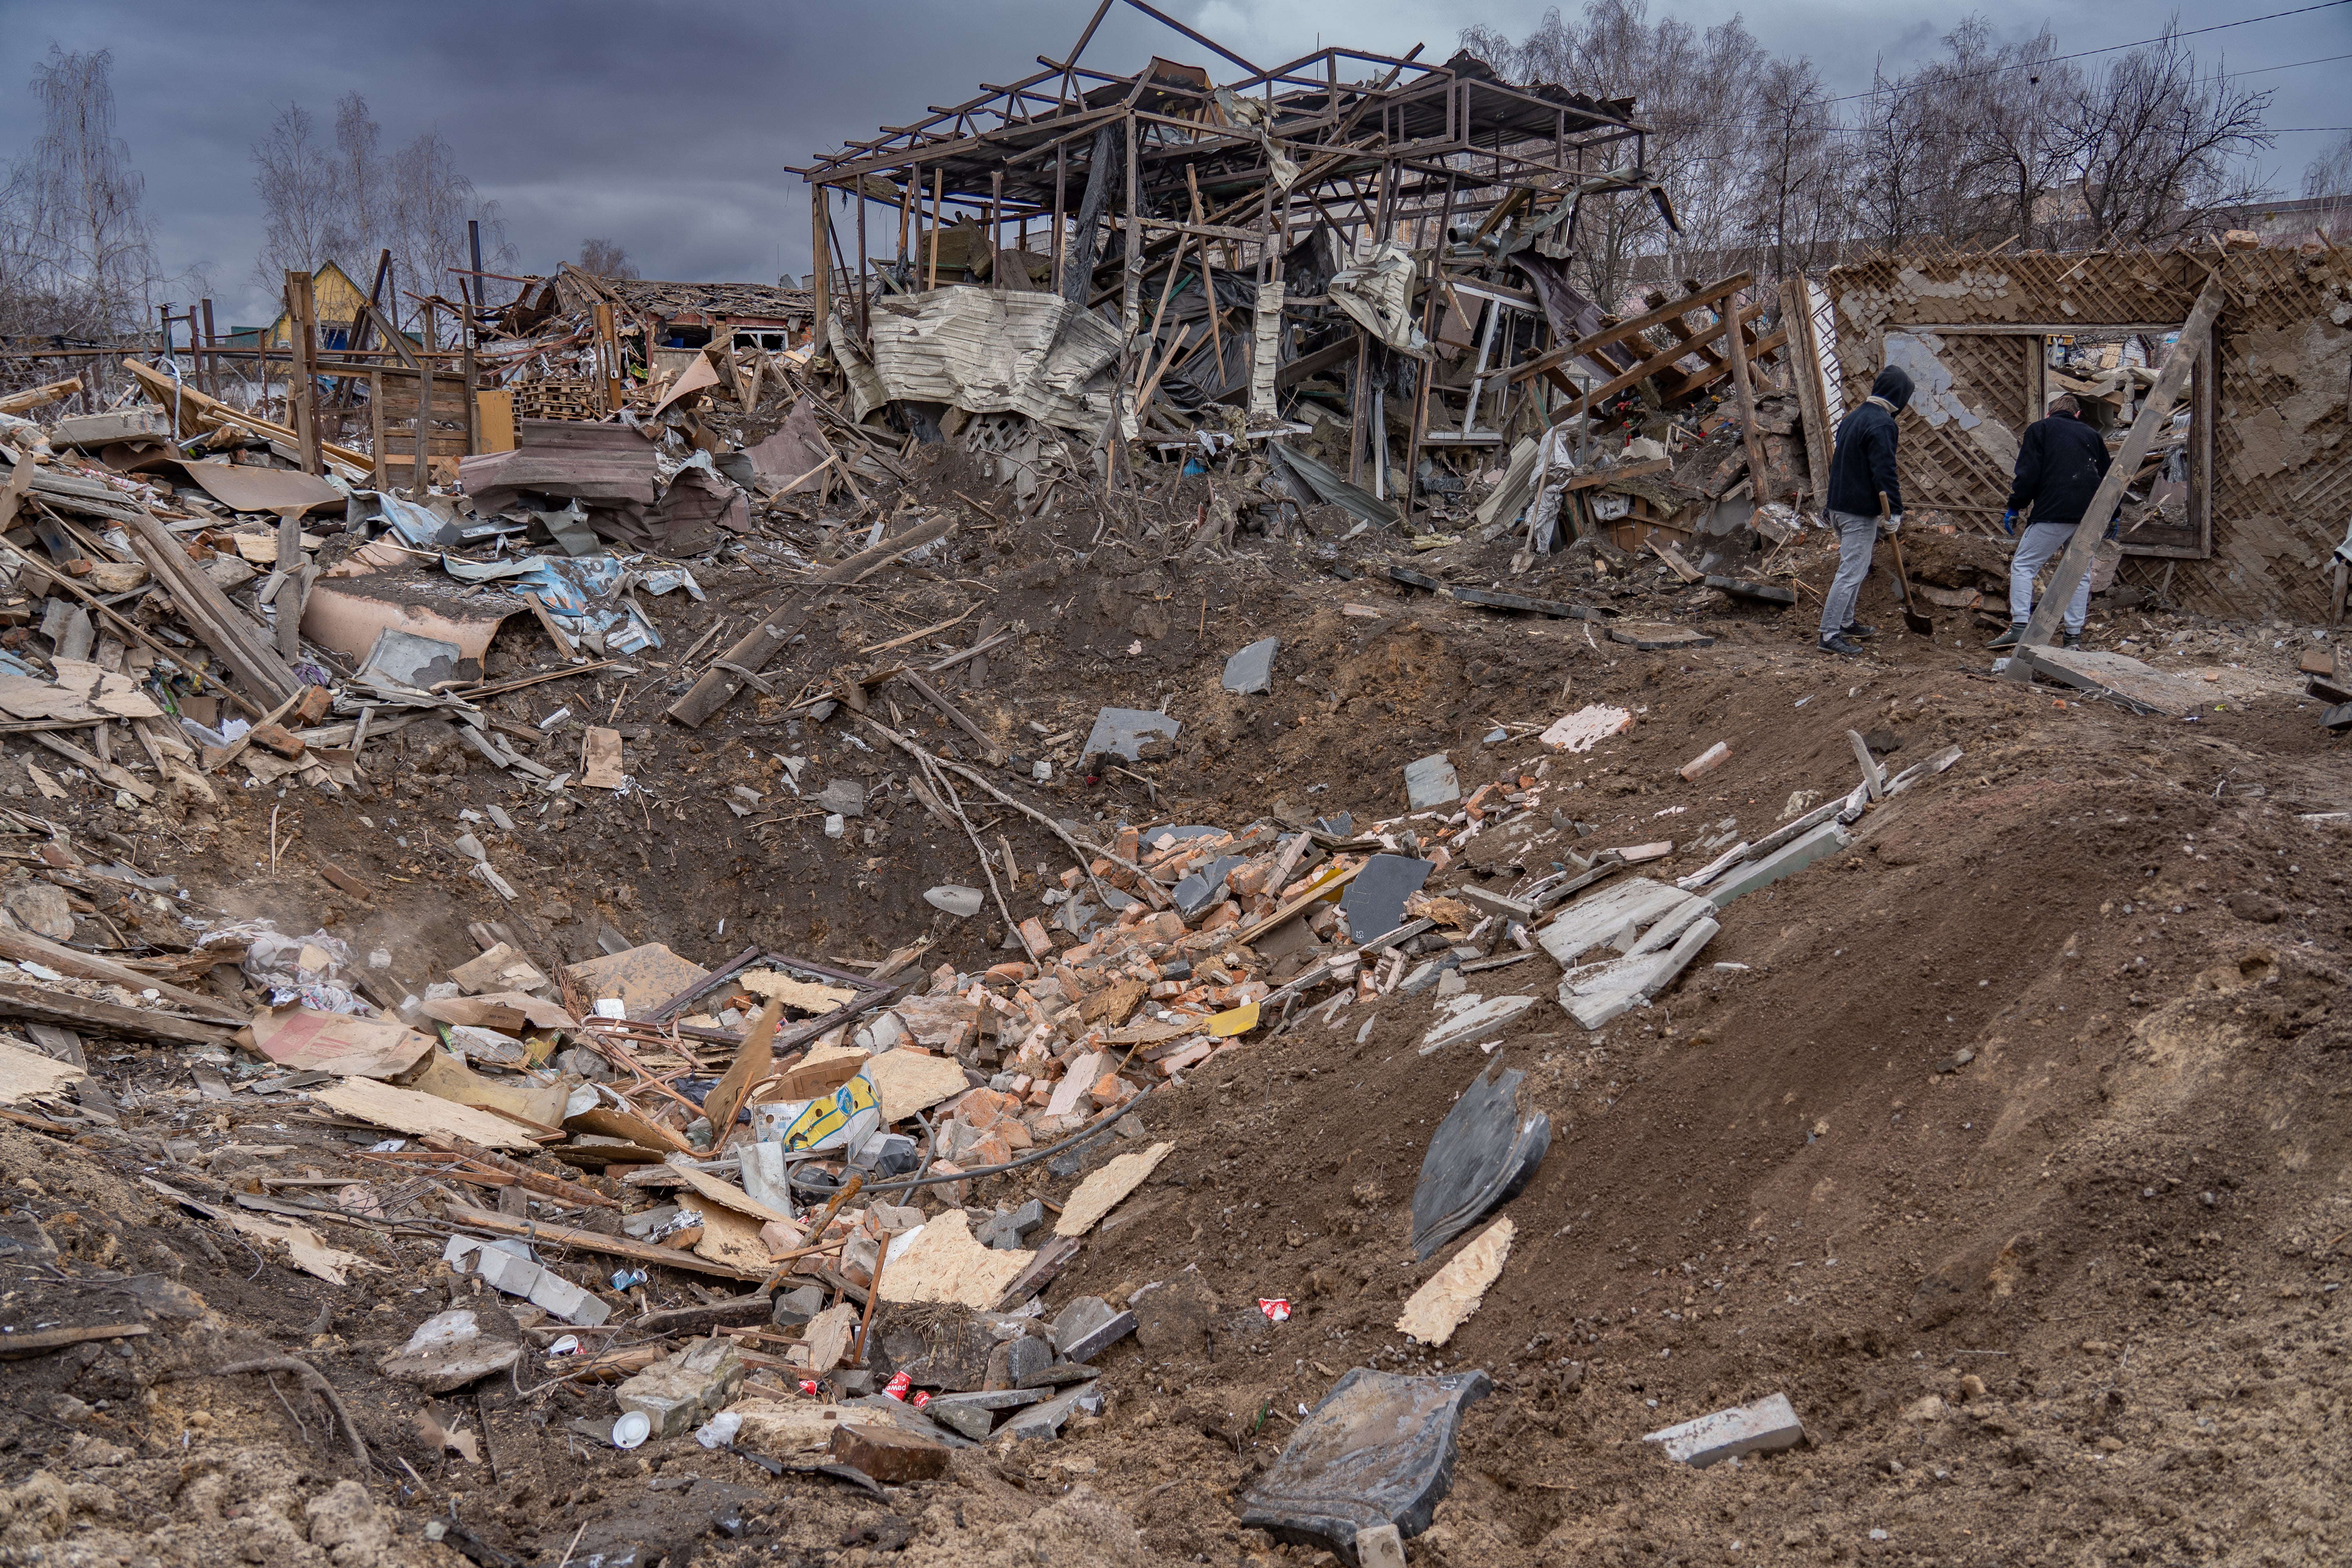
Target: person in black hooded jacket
pixel 1861 473
pixel 2059 466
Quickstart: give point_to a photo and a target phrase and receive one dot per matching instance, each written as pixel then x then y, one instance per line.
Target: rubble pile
pixel 1157 828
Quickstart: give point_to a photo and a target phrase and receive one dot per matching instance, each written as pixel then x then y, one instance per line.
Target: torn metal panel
pixel 1353 500
pixel 989 353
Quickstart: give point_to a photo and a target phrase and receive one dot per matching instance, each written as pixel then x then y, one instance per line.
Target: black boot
pixel 1836 643
pixel 1857 632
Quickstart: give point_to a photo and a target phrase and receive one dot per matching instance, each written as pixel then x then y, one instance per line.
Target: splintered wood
pixel 946 1263
pixel 1449 1296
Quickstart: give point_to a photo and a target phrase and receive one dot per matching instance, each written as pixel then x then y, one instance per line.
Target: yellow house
pixel 338 299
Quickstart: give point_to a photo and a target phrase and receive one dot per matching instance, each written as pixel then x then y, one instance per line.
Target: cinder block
pixel 1766 1424
pixel 1792 857
pixel 1380 1546
pixel 567 1301
pixel 505 1271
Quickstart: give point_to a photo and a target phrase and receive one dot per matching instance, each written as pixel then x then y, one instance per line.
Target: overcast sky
pixel 667 126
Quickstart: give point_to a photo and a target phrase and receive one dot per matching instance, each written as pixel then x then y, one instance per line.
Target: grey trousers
pixel 1856 537
pixel 2037 546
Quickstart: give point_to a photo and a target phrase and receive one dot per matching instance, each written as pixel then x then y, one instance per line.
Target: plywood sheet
pixel 311 1040
pixel 27 1075
pixel 643 977
pixel 801 995
pixel 310 1253
pixel 405 1110
pixel 946 1263
pixel 1101 1192
pixel 1454 1293
pixel 444 1076
pixel 728 1237
pixel 909 1080
pixel 712 1190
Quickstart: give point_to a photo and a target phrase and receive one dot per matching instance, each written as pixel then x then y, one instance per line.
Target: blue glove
pixel 2009 523
pixel 2116 524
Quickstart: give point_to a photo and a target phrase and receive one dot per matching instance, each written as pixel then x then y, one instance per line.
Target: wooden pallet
pixel 558 398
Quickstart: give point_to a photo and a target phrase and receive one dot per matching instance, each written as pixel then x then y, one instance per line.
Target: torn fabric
pixel 1379 294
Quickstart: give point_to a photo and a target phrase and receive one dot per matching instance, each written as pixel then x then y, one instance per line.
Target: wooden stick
pixel 128 628
pixel 544 1233
pixel 918 636
pixel 552 1186
pixel 955 715
pixel 236 748
pixel 973 652
pixel 872 1294
pixel 831 458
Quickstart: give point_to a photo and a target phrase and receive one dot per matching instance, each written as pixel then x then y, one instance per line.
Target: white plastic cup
pixel 631 1429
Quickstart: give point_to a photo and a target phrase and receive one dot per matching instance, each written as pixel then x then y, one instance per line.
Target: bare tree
pixel 359 228
pixel 78 248
pixel 294 174
pixel 2330 174
pixel 1695 90
pixel 606 258
pixel 2159 146
pixel 431 200
pixel 1798 200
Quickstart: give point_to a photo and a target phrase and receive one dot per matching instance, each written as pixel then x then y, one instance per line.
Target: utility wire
pixel 2113 48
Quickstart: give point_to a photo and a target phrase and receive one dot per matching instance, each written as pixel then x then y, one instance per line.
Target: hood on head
pixel 1894 383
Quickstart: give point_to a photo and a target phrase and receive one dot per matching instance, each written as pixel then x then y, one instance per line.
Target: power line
pixel 2112 48
pixel 1850 130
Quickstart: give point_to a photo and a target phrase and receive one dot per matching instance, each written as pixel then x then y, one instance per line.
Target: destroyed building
pixel 1163 870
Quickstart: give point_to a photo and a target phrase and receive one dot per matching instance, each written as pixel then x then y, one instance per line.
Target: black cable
pixel 1103 1123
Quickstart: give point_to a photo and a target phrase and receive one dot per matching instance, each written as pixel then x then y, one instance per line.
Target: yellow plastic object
pixel 829 1116
pixel 1238 1020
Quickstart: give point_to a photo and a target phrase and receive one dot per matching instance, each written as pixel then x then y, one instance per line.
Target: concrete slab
pixel 2142 685
pixel 1430 781
pixel 1124 731
pixel 1761 1428
pixel 1488 1015
pixel 1374 902
pixel 1790 858
pixel 1598 918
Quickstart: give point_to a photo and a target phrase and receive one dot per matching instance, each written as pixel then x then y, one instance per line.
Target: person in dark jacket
pixel 2059 466
pixel 1862 477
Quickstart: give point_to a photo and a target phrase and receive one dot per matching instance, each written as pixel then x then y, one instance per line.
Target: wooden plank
pixel 405 1110
pixel 541 1232
pixel 1672 310
pixel 112 776
pixel 21 945
pixel 1743 396
pixel 1805 372
pixel 1662 359
pixel 221 627
pixel 1321 889
pixel 104 1017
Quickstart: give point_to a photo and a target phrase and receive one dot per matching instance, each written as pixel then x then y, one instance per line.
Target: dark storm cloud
pixel 668 127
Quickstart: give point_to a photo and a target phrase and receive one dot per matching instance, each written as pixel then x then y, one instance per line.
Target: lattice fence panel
pixel 2282 474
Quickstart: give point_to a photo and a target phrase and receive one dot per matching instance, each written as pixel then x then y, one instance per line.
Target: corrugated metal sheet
pixel 991 353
